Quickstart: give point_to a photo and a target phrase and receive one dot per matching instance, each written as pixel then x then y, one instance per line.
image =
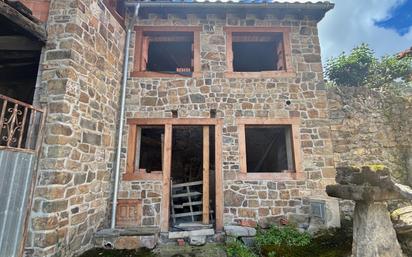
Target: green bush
pixel 362 68
pixel 288 236
pixel 235 248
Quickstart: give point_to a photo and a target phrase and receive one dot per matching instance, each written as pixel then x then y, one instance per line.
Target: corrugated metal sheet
pixel 15 179
pixel 230 1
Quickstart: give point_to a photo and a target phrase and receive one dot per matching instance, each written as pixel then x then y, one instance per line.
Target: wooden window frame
pixel 288 72
pixel 297 174
pixel 168 123
pixel 138 53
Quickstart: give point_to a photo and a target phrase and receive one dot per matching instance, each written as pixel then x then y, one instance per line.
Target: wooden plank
pixel 197 67
pixel 266 121
pixel 297 150
pixel 145 53
pixel 188 204
pixel 37 30
pixel 242 148
pixel 137 149
pixel 165 204
pixel 19 43
pixel 131 149
pixel 229 51
pixel 289 148
pixel 188 214
pixel 219 177
pixel 186 194
pixel 173 121
pixel 206 160
pixel 232 29
pixel 189 197
pixel 138 48
pixel 195 183
pixel 170 28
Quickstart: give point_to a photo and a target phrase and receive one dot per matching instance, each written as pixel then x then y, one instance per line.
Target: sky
pixel 386 25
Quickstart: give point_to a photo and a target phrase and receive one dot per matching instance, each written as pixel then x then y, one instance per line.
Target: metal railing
pixel 21 125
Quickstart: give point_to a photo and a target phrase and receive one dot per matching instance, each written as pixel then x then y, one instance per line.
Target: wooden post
pixel 167 153
pixel 219 177
pixel 131 149
pixel 206 151
pixel 289 148
pixel 242 148
pixel 138 148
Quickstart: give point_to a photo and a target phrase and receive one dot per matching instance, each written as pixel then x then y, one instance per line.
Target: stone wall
pixel 80 82
pixel 150 193
pixel 370 127
pixel 248 97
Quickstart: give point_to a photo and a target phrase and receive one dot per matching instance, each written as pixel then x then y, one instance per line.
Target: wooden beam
pixel 219 177
pixel 14 16
pixel 173 121
pixel 242 148
pixel 131 149
pixel 19 43
pixel 206 159
pixel 167 163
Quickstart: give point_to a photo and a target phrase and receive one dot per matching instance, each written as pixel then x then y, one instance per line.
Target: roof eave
pixel 318 10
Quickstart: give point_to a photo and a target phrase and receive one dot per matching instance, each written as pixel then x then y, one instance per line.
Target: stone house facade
pixel 294 96
pixel 228 94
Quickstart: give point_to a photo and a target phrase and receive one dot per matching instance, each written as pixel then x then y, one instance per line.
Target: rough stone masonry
pixel 80 83
pixel 250 200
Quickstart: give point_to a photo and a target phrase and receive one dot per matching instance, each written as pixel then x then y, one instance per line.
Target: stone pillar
pixel 373 232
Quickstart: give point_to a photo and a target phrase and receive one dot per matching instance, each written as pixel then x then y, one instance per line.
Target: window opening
pixel 255 52
pixel 149 154
pixel 269 148
pixel 169 52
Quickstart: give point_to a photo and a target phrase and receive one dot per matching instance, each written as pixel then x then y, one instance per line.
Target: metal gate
pixel 21 127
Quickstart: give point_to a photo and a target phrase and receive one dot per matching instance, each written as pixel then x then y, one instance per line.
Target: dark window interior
pixel 254 56
pixel 169 56
pixel 151 148
pixel 254 52
pixel 269 149
pixel 168 51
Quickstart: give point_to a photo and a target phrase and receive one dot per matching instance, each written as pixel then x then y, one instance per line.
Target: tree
pixel 362 68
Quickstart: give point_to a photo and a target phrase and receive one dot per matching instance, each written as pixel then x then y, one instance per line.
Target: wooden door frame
pixel 167 153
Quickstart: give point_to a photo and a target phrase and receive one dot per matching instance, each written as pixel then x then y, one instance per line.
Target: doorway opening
pixel 192 198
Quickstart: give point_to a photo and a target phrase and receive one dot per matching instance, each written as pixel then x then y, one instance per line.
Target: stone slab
pixel 187 234
pixel 238 231
pixel 197 240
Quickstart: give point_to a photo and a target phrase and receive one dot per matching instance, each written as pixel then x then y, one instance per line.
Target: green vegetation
pixel 288 236
pixel 235 248
pixel 289 242
pixel 362 68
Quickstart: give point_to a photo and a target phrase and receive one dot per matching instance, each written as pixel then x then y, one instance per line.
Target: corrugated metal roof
pixel 316 10
pixel 231 1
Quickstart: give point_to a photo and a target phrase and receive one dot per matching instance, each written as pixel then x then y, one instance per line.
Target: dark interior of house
pixel 254 56
pixel 187 169
pixel 266 149
pixel 170 56
pixel 151 148
pixel 19 62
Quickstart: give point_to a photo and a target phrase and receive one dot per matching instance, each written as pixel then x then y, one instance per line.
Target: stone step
pixel 187 234
pixel 127 238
